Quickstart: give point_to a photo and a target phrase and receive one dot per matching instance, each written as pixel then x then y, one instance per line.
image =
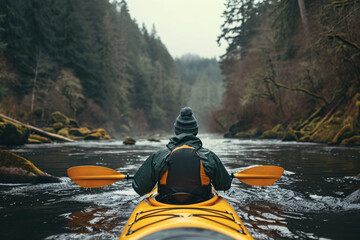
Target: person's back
pixel 185 170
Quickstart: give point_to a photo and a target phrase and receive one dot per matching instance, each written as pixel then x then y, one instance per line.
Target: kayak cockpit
pixel 211 219
pixel 153 199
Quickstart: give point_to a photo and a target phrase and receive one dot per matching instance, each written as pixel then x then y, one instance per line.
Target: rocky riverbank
pixel 59 128
pixel 70 128
pixel 337 126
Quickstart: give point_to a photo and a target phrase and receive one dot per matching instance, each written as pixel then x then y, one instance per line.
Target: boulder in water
pixel 98 134
pixel 12 133
pixel 129 141
pixel 16 169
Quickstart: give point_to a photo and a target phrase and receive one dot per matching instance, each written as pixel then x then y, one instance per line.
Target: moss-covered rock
pixel 129 141
pixel 13 133
pixel 58 117
pixel 97 134
pixel 34 141
pixel 50 129
pixel 252 133
pixel 290 135
pixel 239 128
pixel 64 132
pixel 15 169
pixel 79 132
pixel 57 126
pixel 73 123
pixel 35 138
pixel 70 128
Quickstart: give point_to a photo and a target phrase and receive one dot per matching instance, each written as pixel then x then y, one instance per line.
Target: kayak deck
pixel 212 219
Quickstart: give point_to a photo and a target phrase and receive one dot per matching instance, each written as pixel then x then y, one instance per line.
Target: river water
pixel 318 197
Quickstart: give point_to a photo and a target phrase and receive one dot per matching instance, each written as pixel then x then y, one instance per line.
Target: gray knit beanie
pixel 186 122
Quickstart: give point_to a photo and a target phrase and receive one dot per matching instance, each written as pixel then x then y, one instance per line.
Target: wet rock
pixel 34 138
pixel 12 133
pixel 79 132
pixel 237 128
pixel 97 134
pixel 70 128
pixel 57 126
pixel 290 135
pixel 73 123
pixel 129 141
pixel 153 140
pixel 252 133
pixel 50 130
pixel 64 132
pixel 58 117
pixel 16 169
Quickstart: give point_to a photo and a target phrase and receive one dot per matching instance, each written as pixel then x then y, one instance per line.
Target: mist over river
pixel 318 197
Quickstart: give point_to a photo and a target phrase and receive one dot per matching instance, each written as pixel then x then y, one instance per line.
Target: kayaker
pixel 184 171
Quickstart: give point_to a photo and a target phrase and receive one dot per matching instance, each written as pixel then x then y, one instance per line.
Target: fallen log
pixel 39 131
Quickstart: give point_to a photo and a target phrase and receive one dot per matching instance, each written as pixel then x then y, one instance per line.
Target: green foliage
pixel 242 19
pixel 89 56
pixel 2 44
pixel 3 91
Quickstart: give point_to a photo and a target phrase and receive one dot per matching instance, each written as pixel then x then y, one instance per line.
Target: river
pixel 318 197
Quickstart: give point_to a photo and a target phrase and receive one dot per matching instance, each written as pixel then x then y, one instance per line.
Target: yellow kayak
pixel 151 219
pixel 212 219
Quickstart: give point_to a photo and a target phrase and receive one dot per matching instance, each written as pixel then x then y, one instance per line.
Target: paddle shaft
pixel 253 176
pixel 127 177
pixel 103 177
pixel 96 176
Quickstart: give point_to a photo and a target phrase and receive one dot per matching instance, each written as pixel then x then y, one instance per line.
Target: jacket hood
pixel 184 138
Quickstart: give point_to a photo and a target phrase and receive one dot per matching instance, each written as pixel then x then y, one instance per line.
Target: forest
pixel 291 69
pixel 293 63
pixel 90 60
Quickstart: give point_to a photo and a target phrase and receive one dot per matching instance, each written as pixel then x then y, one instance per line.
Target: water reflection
pixel 94 220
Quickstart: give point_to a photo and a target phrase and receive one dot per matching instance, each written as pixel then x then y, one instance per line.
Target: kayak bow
pixel 212 219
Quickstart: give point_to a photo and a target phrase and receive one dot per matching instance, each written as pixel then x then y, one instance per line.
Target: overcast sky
pixel 184 26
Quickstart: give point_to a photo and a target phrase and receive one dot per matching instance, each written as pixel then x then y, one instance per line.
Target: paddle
pixel 95 176
pixel 260 175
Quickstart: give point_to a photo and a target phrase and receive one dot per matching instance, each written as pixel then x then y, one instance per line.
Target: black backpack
pixel 185 180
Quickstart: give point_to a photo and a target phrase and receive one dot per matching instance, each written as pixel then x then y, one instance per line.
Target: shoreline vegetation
pixel 337 126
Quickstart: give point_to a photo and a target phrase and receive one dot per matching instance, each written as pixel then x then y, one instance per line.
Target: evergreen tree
pixel 2 42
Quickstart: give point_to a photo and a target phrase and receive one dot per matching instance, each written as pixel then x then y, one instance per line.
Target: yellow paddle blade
pixel 94 176
pixel 260 175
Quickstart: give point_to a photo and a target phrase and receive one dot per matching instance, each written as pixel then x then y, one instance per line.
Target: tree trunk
pixel 303 17
pixel 34 89
pixel 39 131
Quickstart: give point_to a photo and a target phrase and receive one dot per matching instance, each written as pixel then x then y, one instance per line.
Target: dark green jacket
pixel 155 165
